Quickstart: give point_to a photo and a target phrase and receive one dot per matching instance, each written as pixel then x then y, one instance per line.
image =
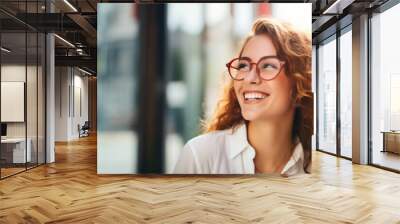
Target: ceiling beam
pixel 86 26
pixel 83 61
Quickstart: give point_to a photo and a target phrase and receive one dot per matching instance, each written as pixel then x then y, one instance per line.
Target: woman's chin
pixel 251 115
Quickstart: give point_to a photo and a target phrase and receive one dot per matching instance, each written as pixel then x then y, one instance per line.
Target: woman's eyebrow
pixel 242 57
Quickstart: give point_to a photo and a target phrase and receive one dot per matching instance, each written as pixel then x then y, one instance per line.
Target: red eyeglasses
pixel 268 67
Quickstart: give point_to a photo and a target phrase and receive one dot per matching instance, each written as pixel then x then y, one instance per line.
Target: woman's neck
pixel 272 140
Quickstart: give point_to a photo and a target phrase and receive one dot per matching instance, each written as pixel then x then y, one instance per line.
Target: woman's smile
pixel 252 97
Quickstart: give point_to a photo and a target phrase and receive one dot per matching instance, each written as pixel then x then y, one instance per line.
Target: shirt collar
pixel 297 157
pixel 238 142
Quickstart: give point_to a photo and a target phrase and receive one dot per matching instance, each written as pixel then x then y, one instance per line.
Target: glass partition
pixel 385 89
pixel 346 93
pixel 14 153
pixel 327 96
pixel 23 91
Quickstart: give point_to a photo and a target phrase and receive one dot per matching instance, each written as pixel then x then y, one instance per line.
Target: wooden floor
pixel 70 191
pixel 10 171
pixel 387 159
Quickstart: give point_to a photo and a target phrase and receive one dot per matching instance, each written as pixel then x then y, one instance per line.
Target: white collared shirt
pixel 227 152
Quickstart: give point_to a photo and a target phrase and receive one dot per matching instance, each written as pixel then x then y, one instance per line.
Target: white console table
pixel 18 144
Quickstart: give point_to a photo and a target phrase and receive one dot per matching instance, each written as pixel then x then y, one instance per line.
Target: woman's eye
pixel 242 66
pixel 268 66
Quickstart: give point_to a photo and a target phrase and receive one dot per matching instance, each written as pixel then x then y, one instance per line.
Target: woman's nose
pixel 252 76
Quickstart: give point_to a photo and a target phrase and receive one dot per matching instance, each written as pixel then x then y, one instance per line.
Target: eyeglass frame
pixel 228 65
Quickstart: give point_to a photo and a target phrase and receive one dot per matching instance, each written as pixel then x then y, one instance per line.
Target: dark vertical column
pixel 369 89
pixel 26 86
pixel 338 73
pixel 73 93
pixel 151 97
pixel 37 88
pixel 316 97
pixel 1 164
pixel 44 69
pixel 69 91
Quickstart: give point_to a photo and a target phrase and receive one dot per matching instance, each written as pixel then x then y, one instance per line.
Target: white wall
pixel 12 73
pixel 80 83
pixel 12 101
pixel 33 126
pixel 61 103
pixel 15 72
pixel 70 84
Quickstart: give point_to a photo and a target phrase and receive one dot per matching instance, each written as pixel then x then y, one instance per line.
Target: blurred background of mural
pixel 194 42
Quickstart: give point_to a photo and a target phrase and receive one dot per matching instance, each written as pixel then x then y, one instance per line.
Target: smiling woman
pixel 263 123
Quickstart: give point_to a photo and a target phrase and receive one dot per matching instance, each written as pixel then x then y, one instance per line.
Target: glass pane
pixel 327 96
pixel 346 94
pixel 13 87
pixel 184 77
pixel 385 114
pixel 117 70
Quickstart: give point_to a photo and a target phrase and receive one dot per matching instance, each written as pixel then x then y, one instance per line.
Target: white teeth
pixel 254 95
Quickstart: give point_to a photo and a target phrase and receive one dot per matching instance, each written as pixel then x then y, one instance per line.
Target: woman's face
pixel 260 99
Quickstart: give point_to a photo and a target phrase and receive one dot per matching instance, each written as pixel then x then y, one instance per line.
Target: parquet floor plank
pixel 70 191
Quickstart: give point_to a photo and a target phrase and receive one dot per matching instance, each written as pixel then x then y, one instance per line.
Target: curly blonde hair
pixel 293 47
